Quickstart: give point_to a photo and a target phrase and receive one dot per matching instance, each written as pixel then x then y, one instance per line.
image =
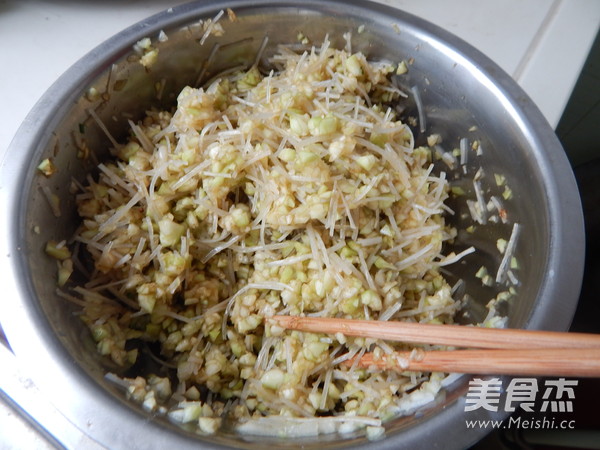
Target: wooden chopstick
pixel 451 335
pixel 488 350
pixel 572 362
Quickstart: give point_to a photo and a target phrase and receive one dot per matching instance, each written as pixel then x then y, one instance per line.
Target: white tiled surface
pixel 541 43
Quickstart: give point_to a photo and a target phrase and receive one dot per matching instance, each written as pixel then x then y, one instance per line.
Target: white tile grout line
pixel 537 38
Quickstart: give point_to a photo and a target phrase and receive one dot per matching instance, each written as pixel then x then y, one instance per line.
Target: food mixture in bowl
pixel 292 190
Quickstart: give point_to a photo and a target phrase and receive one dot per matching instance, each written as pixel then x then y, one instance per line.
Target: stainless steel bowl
pixel 460 88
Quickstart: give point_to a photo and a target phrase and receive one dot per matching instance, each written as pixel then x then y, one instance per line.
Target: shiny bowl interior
pixel 460 89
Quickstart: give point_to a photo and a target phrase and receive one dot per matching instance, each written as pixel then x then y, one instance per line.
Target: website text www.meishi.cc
pixel 544 423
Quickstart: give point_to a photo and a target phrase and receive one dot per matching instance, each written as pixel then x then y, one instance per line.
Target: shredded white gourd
pixel 294 191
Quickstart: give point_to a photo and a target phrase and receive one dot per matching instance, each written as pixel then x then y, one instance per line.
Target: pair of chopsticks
pixel 489 351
